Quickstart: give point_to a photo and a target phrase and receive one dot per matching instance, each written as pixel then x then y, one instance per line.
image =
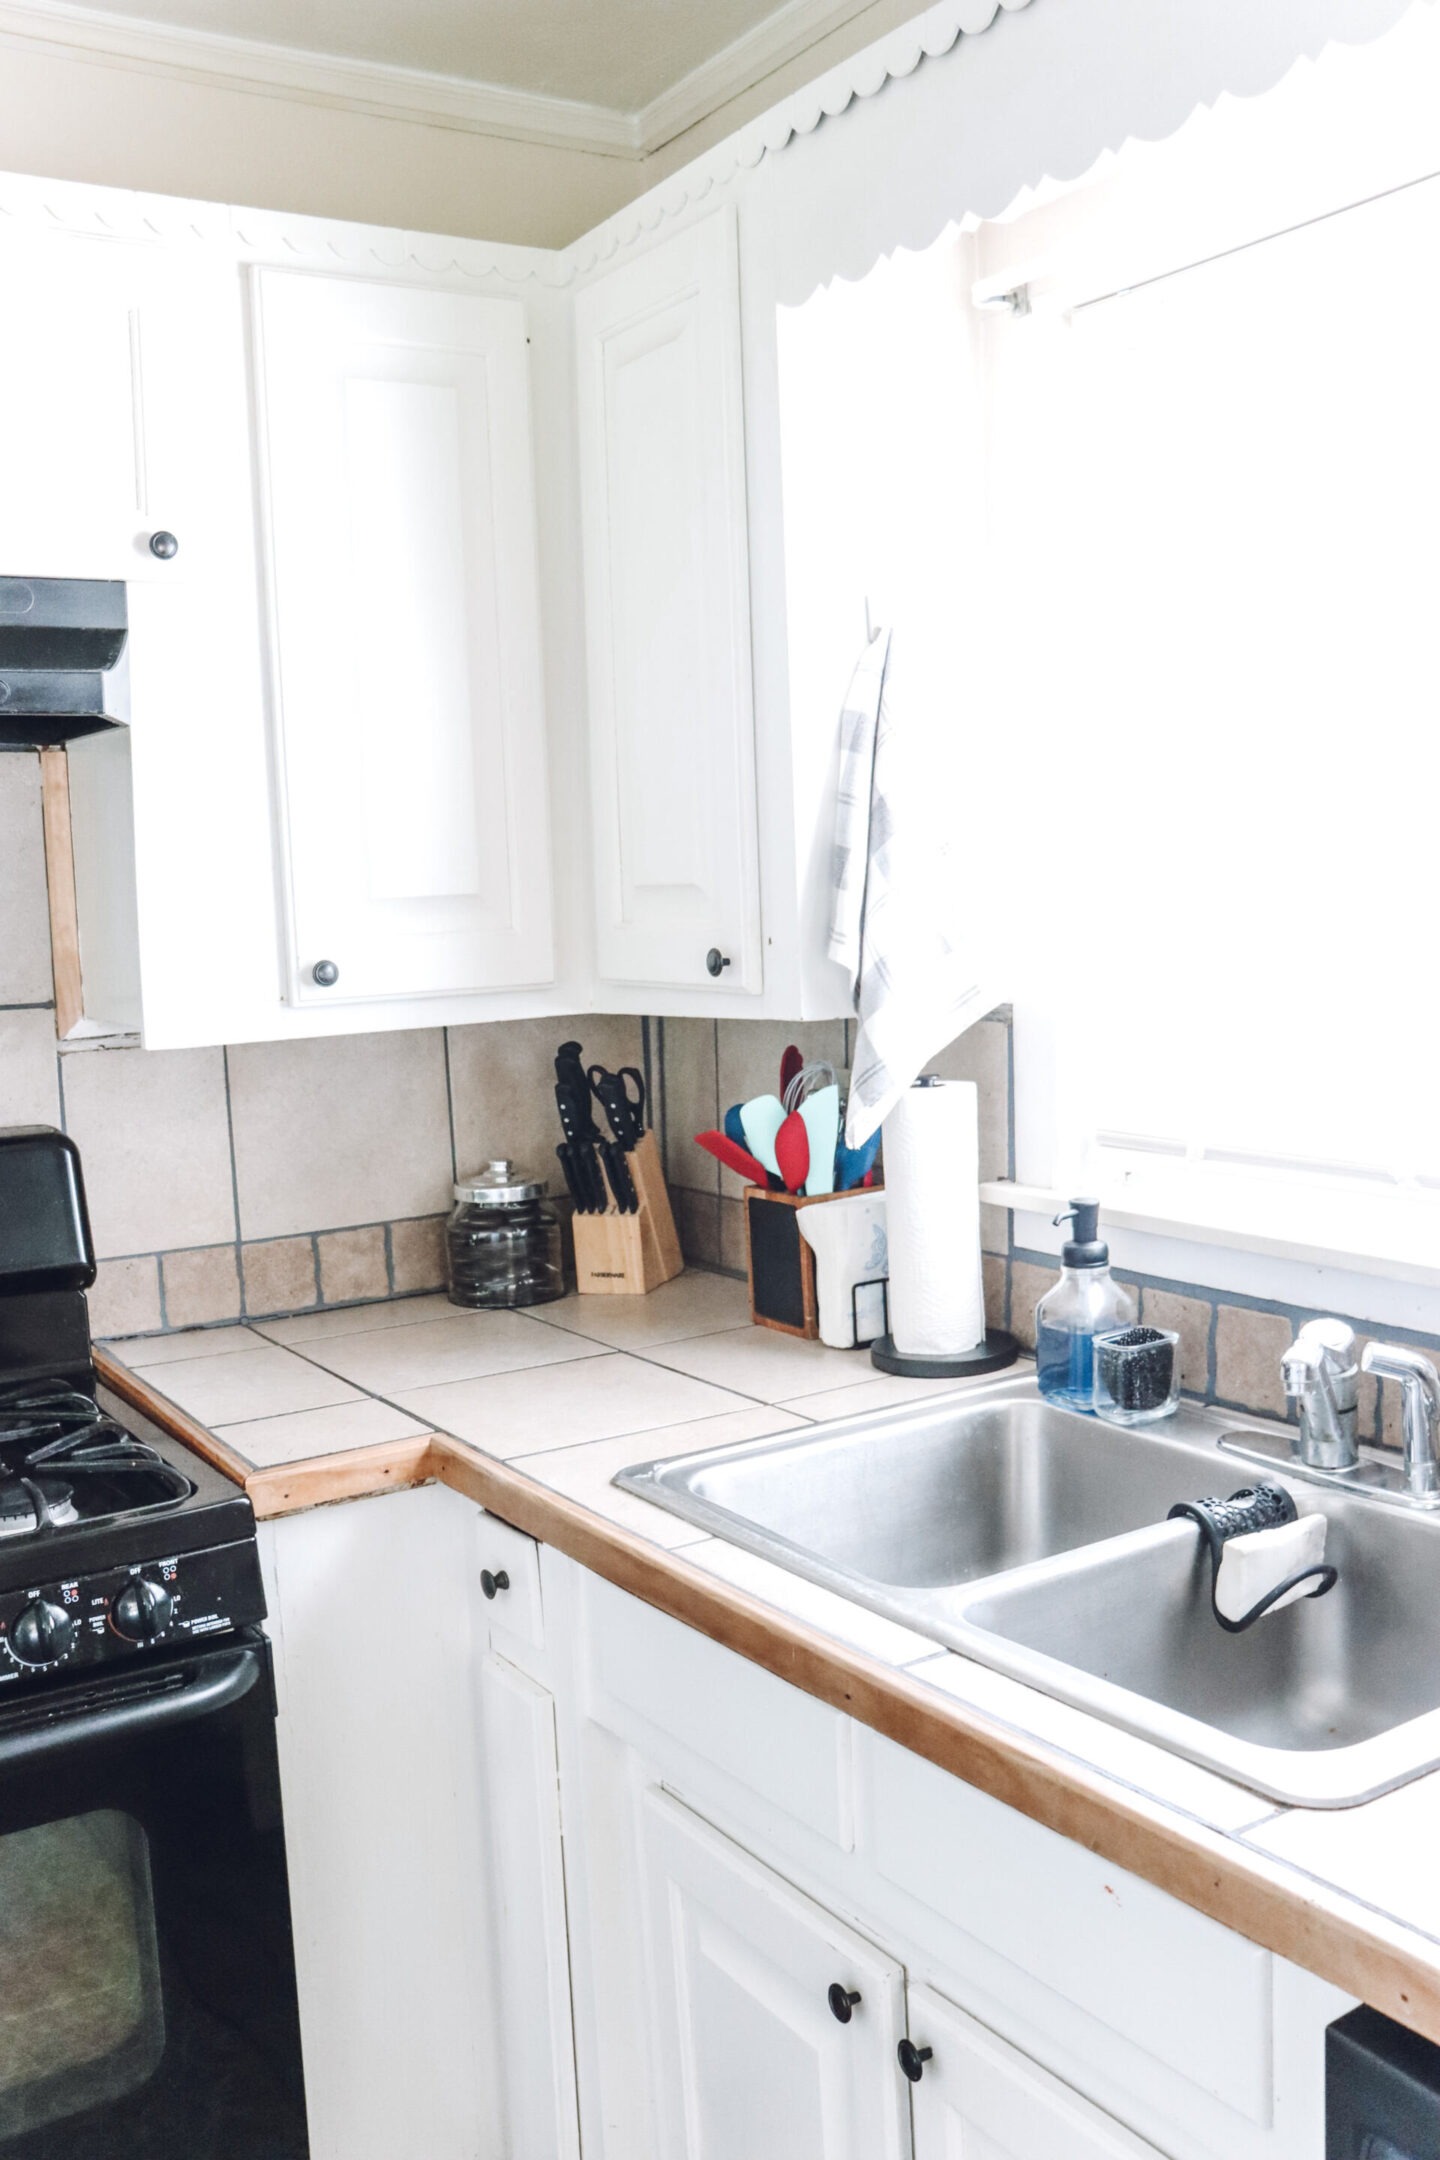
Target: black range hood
pixel 59 637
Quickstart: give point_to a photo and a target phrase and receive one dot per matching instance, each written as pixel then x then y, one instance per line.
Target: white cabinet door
pixel 530 1947
pixel 750 2060
pixel 406 628
pixel 662 461
pixel 977 2099
pixel 103 389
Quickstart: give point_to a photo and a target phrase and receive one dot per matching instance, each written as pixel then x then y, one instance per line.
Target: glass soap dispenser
pixel 1085 1302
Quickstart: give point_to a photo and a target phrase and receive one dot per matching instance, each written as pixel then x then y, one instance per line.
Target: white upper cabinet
pixel 672 755
pixel 405 623
pixel 94 414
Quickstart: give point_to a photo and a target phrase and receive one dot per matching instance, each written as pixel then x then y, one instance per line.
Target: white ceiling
pixel 620 54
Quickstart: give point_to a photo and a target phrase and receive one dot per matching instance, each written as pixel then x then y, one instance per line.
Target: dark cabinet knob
pixel 326 973
pixel 842 2001
pixel 491 1583
pixel 912 2060
pixel 165 545
pixel 715 960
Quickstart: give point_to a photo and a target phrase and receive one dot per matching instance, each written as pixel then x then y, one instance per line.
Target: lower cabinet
pixel 774 2025
pixel 977 2099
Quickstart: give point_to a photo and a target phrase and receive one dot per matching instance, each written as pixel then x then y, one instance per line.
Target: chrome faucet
pixel 1420 1412
pixel 1323 1379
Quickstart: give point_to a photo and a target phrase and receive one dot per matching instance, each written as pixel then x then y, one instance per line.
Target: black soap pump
pixel 1083 1304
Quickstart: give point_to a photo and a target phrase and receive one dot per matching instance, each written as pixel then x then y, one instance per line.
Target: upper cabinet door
pixel 95 411
pixel 662 458
pixel 775 2025
pixel 406 631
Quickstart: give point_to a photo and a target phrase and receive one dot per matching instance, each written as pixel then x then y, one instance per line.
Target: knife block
pixel 627 1255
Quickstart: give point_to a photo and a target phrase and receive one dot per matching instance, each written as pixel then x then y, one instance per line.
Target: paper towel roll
pixel 932 1191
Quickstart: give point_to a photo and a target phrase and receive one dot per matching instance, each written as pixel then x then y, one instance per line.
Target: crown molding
pixel 738 67
pixel 393 93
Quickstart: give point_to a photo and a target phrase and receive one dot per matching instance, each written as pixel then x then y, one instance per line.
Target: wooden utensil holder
pixel 782 1265
pixel 628 1255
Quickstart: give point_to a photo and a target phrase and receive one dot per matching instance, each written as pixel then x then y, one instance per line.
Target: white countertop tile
pixel 592 1398
pixel 881 1391
pixel 295 1436
pixel 143 1352
pixel 759 1362
pixel 311 1327
pixel 584 1473
pixel 258 1382
pixel 807 1601
pixel 1381 1852
pixel 693 1304
pixel 462 1346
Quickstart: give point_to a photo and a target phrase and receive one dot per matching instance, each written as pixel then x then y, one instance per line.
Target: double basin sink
pixel 1035 1540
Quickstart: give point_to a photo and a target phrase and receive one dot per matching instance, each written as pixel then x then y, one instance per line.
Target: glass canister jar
pixel 502 1244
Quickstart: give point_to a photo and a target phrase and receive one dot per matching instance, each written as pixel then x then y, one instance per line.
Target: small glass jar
pixel 1137 1375
pixel 502 1244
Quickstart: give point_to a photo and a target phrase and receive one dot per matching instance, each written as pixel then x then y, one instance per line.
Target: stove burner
pixel 63 1461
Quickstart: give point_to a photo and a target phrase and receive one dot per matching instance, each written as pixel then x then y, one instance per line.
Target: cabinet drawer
pixel 1184 1989
pixel 784 1747
pixel 512 1609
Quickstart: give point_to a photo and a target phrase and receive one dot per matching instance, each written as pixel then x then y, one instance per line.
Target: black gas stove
pixel 143 1886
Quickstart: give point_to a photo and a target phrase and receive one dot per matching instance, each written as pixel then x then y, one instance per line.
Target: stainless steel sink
pixel 1034 1539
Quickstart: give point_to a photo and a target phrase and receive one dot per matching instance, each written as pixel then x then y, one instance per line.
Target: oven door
pixel 147 1978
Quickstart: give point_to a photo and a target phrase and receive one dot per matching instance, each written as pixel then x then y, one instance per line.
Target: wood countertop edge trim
pixel 1293 1914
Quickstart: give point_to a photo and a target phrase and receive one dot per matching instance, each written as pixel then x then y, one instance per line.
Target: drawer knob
pixel 490 1584
pixel 326 973
pixel 164 546
pixel 912 2060
pixel 715 960
pixel 842 2001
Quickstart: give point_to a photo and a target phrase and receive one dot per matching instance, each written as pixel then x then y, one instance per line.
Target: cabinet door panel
pixel 406 631
pixel 749 2059
pixel 667 609
pixel 978 2099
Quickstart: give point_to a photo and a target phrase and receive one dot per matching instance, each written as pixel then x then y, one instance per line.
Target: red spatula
pixel 738 1159
pixel 792 1151
pixel 791 1063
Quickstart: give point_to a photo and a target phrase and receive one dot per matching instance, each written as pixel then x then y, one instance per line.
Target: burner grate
pixel 54 1438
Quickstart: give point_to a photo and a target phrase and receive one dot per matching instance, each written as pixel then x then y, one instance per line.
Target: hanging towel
pixel 914 983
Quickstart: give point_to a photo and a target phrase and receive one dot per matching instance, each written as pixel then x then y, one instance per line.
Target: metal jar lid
pixel 499 1184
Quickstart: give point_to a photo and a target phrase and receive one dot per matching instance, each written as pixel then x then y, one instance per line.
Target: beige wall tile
pixel 1190 1319
pixel 734 1236
pixel 417 1253
pixel 339 1130
pixel 1028 1285
pixel 29 1088
pixel 995 1230
pixel 352 1265
pixel 201 1287
pixel 24 904
pixel 124 1298
pixel 1248 1349
pixel 691 1101
pixel 749 1063
pixel 982 1054
pixel 697 1220
pixel 993 1272
pixel 152 1131
pixel 502 1084
pixel 279 1275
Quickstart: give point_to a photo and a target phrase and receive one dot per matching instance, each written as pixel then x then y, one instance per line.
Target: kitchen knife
pixel 625 1111
pixel 621 1182
pixel 570 1075
pixel 567 1164
pixel 579 1129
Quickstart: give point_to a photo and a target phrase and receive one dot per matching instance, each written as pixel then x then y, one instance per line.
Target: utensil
pixel 734 1158
pixel 821 1114
pixel 851 1164
pixel 624 1110
pixel 570 1073
pixel 580 1131
pixel 792 1152
pixel 734 1125
pixel 617 1169
pixel 762 1118
pixel 817 1074
pixel 792 1061
pixel 572 1179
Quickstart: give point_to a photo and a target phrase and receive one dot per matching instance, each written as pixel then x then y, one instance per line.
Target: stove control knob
pixel 143 1610
pixel 43 1634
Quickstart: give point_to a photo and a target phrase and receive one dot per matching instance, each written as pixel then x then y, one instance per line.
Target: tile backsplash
pixel 268 1177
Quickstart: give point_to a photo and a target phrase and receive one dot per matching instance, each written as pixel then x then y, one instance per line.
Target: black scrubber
pixel 1137 1383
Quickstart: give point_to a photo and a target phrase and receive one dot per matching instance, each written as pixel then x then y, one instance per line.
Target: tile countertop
pixel 350 1401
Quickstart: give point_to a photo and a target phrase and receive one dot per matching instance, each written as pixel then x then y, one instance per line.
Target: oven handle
pixel 223 1680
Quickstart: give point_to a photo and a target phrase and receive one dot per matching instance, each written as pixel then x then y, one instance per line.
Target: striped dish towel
pixel 913 975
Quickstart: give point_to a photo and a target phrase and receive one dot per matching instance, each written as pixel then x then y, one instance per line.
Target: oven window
pixel 81 2019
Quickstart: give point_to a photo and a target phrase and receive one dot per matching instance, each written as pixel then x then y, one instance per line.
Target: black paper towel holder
pixel 996 1349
